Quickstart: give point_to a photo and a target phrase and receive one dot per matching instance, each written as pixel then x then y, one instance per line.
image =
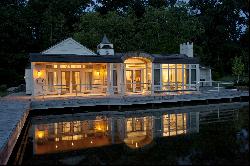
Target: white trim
pixel 58 45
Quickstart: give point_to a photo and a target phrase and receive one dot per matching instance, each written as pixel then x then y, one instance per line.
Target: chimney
pixel 187 48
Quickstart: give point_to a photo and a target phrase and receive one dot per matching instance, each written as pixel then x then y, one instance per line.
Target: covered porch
pixel 122 74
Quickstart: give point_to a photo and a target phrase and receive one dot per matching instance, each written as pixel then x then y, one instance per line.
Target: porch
pixel 135 76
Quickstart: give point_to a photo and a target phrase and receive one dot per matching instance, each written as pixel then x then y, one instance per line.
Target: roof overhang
pixel 117 58
pixel 38 57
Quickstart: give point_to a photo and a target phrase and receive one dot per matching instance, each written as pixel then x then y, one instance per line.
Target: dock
pixel 14 111
pixel 119 102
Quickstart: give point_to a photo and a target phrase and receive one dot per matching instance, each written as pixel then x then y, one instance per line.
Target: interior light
pixel 40 134
pixel 39 74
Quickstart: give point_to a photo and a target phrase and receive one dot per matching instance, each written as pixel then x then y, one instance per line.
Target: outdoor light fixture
pixel 39 73
pixel 40 134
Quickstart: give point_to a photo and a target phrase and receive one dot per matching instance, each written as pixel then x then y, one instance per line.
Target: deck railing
pixel 217 85
pixel 125 88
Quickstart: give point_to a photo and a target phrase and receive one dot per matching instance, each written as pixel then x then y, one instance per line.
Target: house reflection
pixel 97 131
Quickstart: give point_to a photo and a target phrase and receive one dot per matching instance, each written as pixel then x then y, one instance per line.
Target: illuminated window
pixel 164 66
pixel 165 76
pixel 66 138
pixel 172 66
pixel 75 66
pixel 77 126
pixel 66 127
pixel 129 125
pixel 179 66
pixel 64 66
pixel 49 66
pixel 77 137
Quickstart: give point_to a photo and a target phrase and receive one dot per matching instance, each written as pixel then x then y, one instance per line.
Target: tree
pixel 222 20
pixel 238 67
pixel 157 31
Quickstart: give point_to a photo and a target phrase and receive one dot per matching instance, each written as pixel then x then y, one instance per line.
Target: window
pixel 66 127
pixel 193 76
pixel 52 80
pixel 156 76
pixel 64 66
pixel 186 76
pixel 165 76
pixel 75 66
pixel 114 78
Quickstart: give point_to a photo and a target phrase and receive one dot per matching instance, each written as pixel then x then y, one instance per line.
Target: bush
pixel 242 83
pixel 3 87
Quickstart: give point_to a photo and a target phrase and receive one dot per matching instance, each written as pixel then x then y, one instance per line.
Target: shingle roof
pixel 117 58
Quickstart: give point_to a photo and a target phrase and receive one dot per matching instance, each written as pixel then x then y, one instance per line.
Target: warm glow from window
pixel 64 66
pixel 39 74
pixel 76 66
pixel 40 134
pixel 165 75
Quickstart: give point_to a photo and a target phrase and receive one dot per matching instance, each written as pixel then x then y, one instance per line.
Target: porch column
pixel 197 76
pixel 59 79
pixel 182 76
pixel 110 90
pixel 160 76
pixel 152 79
pixel 120 72
pixel 189 79
pixel 210 77
pixel 111 129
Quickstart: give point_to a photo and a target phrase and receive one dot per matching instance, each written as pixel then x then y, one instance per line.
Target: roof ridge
pixel 63 41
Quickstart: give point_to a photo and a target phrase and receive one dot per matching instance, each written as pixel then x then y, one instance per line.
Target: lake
pixel 207 134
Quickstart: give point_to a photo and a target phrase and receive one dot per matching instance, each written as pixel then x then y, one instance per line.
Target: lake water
pixel 170 136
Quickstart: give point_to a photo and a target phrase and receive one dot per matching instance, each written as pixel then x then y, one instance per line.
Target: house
pixel 69 68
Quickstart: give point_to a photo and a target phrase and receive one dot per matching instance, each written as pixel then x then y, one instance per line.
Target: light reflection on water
pixel 52 134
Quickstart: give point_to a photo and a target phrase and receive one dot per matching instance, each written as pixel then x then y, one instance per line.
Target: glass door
pixel 52 81
pixel 134 80
pixel 65 82
pixel 137 80
pixel 76 81
pixel 88 80
pixel 129 80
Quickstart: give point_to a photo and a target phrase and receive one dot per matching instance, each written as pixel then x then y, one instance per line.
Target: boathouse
pixel 69 68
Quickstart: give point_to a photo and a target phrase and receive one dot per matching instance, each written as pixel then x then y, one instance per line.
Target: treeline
pixel 218 28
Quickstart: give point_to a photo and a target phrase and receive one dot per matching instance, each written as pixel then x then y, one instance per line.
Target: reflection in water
pixel 95 131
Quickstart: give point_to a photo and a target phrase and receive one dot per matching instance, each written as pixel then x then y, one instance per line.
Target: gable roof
pixel 69 46
pixel 105 40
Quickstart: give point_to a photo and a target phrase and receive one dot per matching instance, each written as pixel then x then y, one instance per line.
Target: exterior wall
pixel 205 74
pixel 38 78
pixel 176 77
pixel 28 81
pixel 106 51
pixel 187 48
pixel 39 85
